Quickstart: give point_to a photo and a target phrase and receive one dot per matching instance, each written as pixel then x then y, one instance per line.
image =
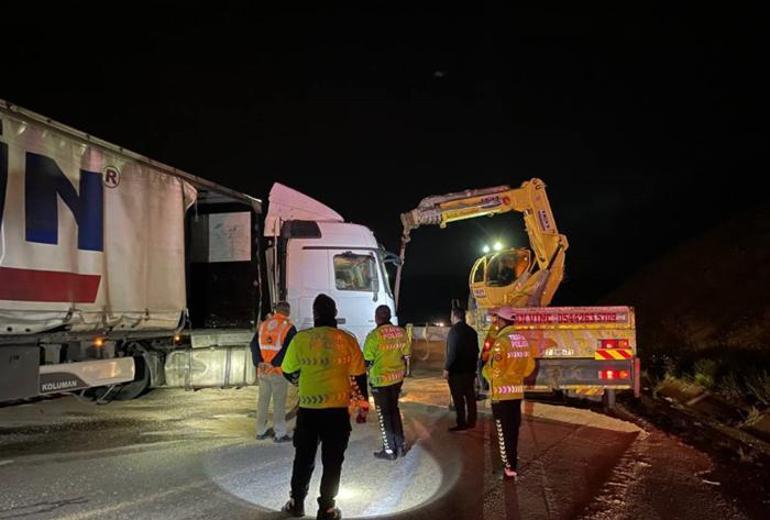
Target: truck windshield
pixel 501 269
pixel 354 272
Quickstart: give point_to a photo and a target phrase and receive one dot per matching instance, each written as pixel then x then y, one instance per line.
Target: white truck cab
pixel 312 251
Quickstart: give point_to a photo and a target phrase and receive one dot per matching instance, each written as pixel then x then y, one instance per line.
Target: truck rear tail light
pixel 613 343
pixel 611 374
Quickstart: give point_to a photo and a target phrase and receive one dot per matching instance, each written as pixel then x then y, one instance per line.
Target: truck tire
pixel 140 385
pixel 128 391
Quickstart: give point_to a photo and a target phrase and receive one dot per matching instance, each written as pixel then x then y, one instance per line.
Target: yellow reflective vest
pixel 325 358
pixel 385 348
pixel 511 359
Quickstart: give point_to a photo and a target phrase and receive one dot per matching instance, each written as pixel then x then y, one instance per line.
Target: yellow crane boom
pixel 536 285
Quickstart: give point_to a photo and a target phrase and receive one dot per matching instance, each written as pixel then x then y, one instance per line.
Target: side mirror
pixel 375 278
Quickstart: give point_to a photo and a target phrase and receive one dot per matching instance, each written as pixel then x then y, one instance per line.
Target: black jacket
pixel 462 349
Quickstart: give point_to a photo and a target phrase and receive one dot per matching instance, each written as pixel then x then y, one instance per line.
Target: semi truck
pixel 120 273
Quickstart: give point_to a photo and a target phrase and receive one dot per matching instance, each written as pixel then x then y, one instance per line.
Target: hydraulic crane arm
pixel 530 200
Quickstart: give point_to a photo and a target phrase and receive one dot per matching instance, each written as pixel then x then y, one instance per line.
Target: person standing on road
pixel 322 361
pixel 386 350
pixel 267 350
pixel 510 360
pixel 462 354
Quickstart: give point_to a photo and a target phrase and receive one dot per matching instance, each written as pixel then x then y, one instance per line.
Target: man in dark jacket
pixel 462 354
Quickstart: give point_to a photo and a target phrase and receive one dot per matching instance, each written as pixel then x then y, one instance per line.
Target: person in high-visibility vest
pixel 509 361
pixel 273 337
pixel 322 361
pixel 489 340
pixel 386 351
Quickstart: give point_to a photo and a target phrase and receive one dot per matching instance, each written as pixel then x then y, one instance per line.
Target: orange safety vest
pixel 272 334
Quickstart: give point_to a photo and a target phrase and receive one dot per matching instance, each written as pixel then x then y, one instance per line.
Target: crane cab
pixel 497 279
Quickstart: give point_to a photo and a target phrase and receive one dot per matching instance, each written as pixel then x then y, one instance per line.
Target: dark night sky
pixel 644 123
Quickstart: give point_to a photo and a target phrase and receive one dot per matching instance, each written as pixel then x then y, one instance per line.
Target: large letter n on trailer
pixel 44 183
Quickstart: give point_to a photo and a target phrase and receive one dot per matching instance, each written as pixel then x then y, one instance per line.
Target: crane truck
pixel 589 351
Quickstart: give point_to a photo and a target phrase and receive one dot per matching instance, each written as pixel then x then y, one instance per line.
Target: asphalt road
pixel 174 454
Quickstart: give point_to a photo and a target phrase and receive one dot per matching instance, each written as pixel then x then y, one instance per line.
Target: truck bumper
pixel 582 373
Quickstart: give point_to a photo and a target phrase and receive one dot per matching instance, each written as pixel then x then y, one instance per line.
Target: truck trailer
pixel 121 273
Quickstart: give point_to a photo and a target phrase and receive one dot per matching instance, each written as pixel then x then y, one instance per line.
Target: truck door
pixel 356 287
pixel 307 275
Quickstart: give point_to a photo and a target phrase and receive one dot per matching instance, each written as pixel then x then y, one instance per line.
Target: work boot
pixel 402 450
pixel 384 455
pixel 329 514
pixel 268 433
pixel 284 438
pixel 510 474
pixel 295 508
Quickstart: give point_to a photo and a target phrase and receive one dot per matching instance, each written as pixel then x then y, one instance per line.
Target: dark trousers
pixel 483 383
pixel 386 403
pixel 507 415
pixel 330 427
pixel 464 397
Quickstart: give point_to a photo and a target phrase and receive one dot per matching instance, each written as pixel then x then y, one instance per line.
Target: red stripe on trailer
pixel 31 285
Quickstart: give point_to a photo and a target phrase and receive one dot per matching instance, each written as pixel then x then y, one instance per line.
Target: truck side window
pixel 354 272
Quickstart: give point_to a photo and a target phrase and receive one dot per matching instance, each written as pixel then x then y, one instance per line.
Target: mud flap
pixel 19 367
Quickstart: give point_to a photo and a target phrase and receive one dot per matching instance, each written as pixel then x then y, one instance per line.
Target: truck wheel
pixel 128 391
pixel 140 385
